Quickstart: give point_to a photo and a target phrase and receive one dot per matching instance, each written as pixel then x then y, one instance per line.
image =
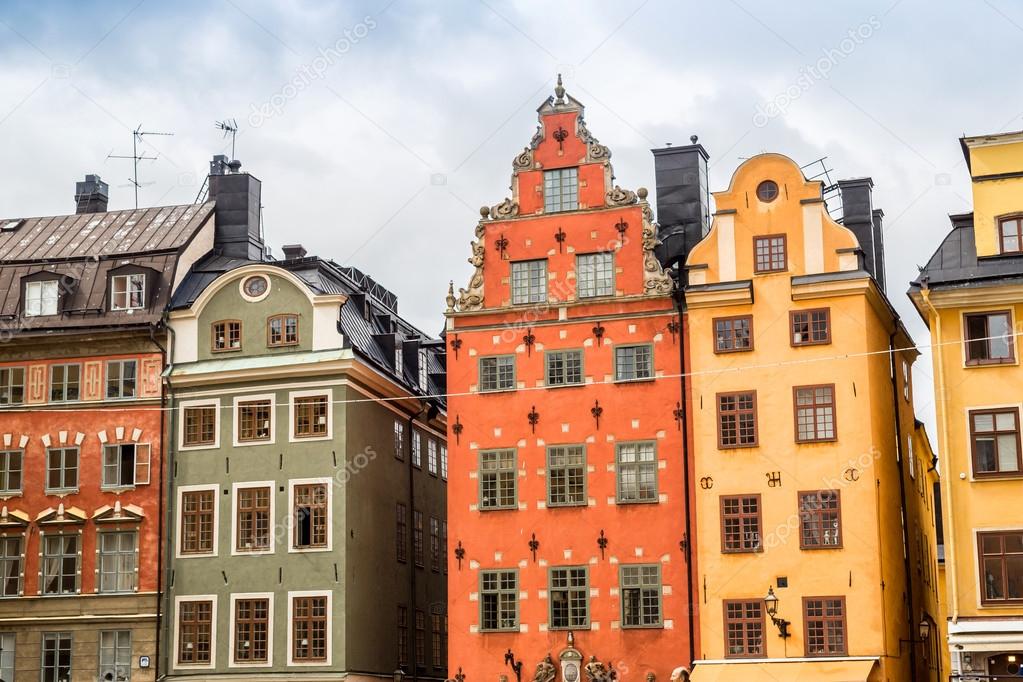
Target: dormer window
pixel 41 298
pixel 1010 234
pixel 128 292
pixel 560 190
pixel 424 370
pixel 227 335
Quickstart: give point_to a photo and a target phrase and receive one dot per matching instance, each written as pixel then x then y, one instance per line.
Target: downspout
pixel 160 504
pixel 680 300
pixel 167 401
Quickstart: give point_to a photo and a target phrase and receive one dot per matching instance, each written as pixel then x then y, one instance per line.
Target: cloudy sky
pixel 378 128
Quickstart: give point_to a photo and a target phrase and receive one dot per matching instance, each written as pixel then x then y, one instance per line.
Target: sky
pixel 379 128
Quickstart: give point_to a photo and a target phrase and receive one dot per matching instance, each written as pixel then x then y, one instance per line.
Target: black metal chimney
pixel 92 195
pixel 237 210
pixel 683 200
pixel 858 215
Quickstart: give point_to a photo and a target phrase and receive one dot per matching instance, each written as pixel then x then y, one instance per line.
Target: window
pixel 561 190
pixel 402 636
pixel 564 367
pixel 7 650
pixel 420 638
pixel 566 476
pixel 311 416
pixel 311 525
pixel 989 338
pixel 824 626
pixel 200 425
pixel 744 629
pixel 61 469
pixel 905 380
pixel 769 253
pixel 499 600
pixel 115 655
pixel 733 334
pixel 641 596
pixel 767 191
pixel 117 561
pixel 121 378
pixel 431 456
pixel 10 566
pixel 737 419
pixel 195 632
pixel 399 357
pixel 64 383
pixel 197 519
pixel 594 274
pixel 637 472
pixel 424 370
pixel 911 456
pixel 810 327
pixel 436 640
pixel 253 519
pixel 12 385
pixel 60 564
pixel 444 462
pixel 418 543
pixel 227 335
pixel 417 449
pixel 282 330
pixel 634 362
pixel 497 480
pixel 254 420
pixel 125 465
pixel 994 435
pixel 399 440
pixel 529 281
pixel 309 629
pixel 741 524
pixel 10 471
pixel 251 630
pixel 497 373
pixel 401 532
pixel 820 519
pixel 56 662
pixel 815 413
pixel 435 544
pixel 1010 233
pixel 128 292
pixel 569 595
pixel 444 546
pixel 41 298
pixel 1001 560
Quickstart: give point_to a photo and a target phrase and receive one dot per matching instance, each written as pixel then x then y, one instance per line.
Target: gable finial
pixel 559 92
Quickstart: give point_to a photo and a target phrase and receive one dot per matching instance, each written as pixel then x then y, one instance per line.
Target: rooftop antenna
pixel 230 127
pixel 136 139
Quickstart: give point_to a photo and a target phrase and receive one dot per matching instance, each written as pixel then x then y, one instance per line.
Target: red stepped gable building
pixel 567 504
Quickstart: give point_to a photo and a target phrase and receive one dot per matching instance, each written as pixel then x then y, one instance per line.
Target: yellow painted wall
pixel 994 198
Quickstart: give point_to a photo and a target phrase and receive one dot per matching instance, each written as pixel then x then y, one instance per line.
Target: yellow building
pixel 971 296
pixel 803 429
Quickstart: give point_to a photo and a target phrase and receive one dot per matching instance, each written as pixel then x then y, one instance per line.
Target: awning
pixel 784 671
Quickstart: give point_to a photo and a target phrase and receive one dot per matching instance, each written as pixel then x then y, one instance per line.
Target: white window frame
pixel 292 482
pixel 37 291
pixel 205 402
pixel 177 525
pixel 236 415
pixel 432 456
pixel 444 461
pixel 399 439
pixel 417 448
pixel 236 596
pixel 127 280
pixel 329 392
pixel 235 488
pixel 99 561
pixel 213 631
pixel 424 370
pixel 291 625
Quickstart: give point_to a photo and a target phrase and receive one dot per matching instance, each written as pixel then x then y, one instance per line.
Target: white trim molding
pixel 205 402
pixel 235 424
pixel 329 392
pixel 330 626
pixel 269 596
pixel 235 487
pixel 216 520
pixel 329 483
pixel 213 632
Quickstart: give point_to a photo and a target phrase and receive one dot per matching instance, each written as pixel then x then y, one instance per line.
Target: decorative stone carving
pixel 656 282
pixel 505 209
pixel 472 298
pixel 594 150
pixel 545 670
pixel 597 671
pixel 450 298
pixel 523 161
pixel 621 197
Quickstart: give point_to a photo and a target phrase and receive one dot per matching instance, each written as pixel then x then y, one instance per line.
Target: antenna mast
pixel 136 139
pixel 230 127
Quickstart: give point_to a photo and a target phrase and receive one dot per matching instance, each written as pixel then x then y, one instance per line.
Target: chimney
pixel 859 216
pixel 683 200
pixel 92 195
pixel 238 231
pixel 293 251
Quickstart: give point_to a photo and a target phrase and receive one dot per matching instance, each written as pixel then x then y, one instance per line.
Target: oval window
pixel 767 191
pixel 255 286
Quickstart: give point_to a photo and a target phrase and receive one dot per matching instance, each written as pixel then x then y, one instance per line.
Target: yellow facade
pixel 798 551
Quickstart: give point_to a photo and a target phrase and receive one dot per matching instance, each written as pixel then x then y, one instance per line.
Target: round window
pixel 767 191
pixel 255 286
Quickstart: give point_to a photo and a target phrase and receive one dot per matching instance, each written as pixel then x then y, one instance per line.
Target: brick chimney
pixel 92 195
pixel 683 200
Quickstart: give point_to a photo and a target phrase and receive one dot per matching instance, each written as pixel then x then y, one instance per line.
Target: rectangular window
pixel 309 629
pixel 251 630
pixel 989 338
pixel 227 336
pixel 418 542
pixel 195 632
pixel 444 462
pixel 737 419
pixel 1001 561
pixel 435 544
pixel 200 425
pixel 594 274
pixel 810 327
pixel 115 655
pixel 10 471
pixel 431 456
pixel 126 465
pixel 254 421
pixel 401 532
pixel 402 636
pixel 117 561
pixel 121 378
pixel 529 281
pixel 60 564
pixel 566 476
pixel 569 596
pixel 310 516
pixel 561 190
pixel 741 524
pixel 424 370
pixel 564 367
pixel 634 362
pixel 497 373
pixel 311 416
pixel 399 440
pixel 197 516
pixel 497 480
pixel 824 624
pixel 637 472
pixel 417 449
pixel 815 413
pixel 253 522
pixel 641 596
pixel 7 651
pixel 437 639
pixel 444 546
pixel 770 253
pixel 10 565
pixel 744 629
pixel 820 519
pixel 12 385
pixel 282 330
pixel 906 382
pixel 128 292
pixel 994 435
pixel 420 638
pixel 64 383
pixel 56 661
pixel 1010 233
pixel 732 334
pixel 41 298
pixel 499 600
pixel 61 469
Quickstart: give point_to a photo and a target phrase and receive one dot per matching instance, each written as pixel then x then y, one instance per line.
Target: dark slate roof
pixel 955 263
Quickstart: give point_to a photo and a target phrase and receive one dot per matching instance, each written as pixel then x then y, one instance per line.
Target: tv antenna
pixel 230 127
pixel 136 139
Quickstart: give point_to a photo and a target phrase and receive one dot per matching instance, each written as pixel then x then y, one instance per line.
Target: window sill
pixel 659 626
pixel 739 447
pixel 487 391
pixel 816 440
pixel 803 344
pixel 640 502
pixel 1007 476
pixel 117 488
pixel 976 364
pixel 729 351
pixel 499 509
pixel 818 548
pixel 61 492
pixel 225 350
pixel 567 505
pixel 639 380
pixel 565 628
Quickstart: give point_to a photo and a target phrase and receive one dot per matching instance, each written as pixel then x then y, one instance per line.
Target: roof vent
pixel 293 251
pixel 11 225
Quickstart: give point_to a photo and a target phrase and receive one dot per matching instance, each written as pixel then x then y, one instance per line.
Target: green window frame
pixel 497 373
pixel 498 480
pixel 568 593
pixel 561 190
pixel 634 362
pixel 64 382
pixel 61 469
pixel 118 561
pixel 566 476
pixel 640 590
pixel 564 367
pixel 636 472
pixel 11 462
pixel 122 377
pixel 12 385
pixel 499 600
pixel 529 281
pixel 595 274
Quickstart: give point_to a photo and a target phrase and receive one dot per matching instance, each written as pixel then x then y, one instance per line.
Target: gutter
pixel 166 483
pixel 161 511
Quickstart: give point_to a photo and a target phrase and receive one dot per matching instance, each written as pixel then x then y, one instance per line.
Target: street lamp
pixel 771 604
pixel 923 629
